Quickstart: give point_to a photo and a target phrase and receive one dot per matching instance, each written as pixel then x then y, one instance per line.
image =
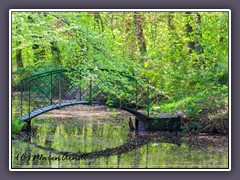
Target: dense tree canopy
pixel 183 54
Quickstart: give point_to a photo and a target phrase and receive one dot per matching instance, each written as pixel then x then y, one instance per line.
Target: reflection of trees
pixel 145 151
pixel 78 137
pixel 122 149
pixel 103 144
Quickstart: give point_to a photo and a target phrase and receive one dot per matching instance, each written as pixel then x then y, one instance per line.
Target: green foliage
pixel 186 66
pixel 17 125
pixel 113 112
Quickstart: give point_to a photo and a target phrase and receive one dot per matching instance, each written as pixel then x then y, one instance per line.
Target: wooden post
pixel 131 124
pixel 136 124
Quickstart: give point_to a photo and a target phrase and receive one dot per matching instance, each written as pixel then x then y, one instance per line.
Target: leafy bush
pixel 17 125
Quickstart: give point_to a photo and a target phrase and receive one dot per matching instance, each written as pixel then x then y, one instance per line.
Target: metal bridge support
pixel 59 91
pixel 50 90
pixel 90 93
pixel 148 101
pixel 29 105
pixel 80 88
pixel 21 99
pixel 136 96
pixel 28 123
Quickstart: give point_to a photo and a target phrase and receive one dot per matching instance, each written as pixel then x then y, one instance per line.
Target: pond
pixel 100 137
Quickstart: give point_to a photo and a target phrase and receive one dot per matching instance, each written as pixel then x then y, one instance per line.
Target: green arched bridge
pixel 66 87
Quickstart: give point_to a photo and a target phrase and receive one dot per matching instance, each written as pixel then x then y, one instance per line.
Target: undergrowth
pixel 17 125
pixel 201 113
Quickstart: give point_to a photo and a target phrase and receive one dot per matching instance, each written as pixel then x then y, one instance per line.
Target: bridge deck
pixel 45 109
pixel 161 119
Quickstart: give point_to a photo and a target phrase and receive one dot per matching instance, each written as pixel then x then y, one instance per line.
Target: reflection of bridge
pixel 66 87
pixel 137 142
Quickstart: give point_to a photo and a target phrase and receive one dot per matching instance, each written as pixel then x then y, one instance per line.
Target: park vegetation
pixel 184 55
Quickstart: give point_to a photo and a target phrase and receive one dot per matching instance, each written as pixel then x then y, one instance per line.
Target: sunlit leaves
pixel 112 43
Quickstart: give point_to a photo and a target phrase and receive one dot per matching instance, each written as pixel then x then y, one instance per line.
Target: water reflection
pixel 104 143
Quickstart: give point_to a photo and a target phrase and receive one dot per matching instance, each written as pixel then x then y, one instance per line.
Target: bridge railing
pixel 54 89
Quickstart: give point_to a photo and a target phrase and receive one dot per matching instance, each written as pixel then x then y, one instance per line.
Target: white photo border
pixel 118 10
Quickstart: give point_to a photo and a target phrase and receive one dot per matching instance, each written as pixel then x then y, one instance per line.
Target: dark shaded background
pixel 121 4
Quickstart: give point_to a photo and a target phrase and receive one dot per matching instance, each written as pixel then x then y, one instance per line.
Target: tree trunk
pixel 56 53
pixel 194 45
pixel 191 44
pixel 170 23
pixel 19 59
pixel 198 46
pixel 39 52
pixel 98 20
pixel 139 34
pixel 19 55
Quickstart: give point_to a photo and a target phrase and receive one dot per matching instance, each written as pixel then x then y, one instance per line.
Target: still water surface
pixel 106 143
